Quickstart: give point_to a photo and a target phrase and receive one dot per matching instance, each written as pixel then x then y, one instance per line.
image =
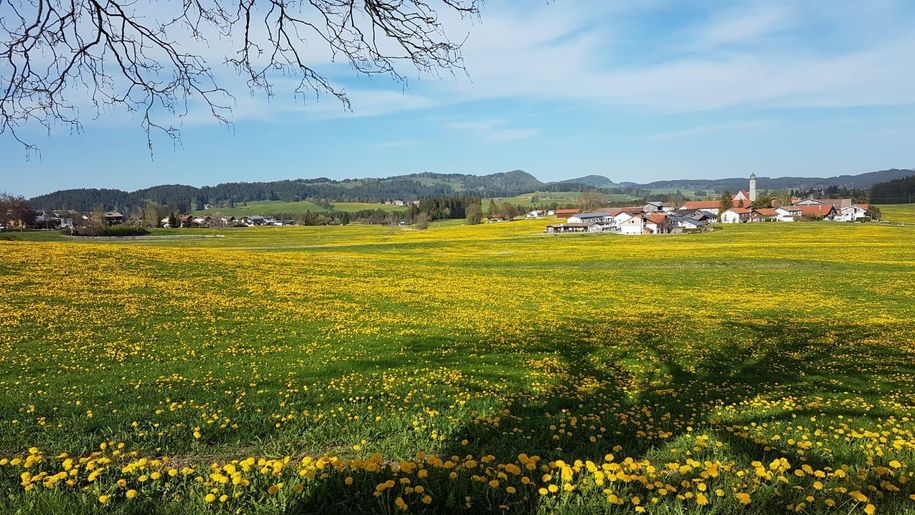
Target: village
pixel 699 215
pixel 652 217
pixel 70 219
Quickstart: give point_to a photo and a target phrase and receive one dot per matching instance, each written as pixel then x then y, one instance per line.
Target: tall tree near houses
pixel 725 203
pixel 591 200
pixel 474 213
pixel 157 57
pixel 15 211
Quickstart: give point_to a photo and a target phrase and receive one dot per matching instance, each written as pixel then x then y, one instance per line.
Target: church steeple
pixel 752 187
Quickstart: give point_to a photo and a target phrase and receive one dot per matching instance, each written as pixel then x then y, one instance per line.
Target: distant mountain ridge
pixel 860 181
pixel 413 186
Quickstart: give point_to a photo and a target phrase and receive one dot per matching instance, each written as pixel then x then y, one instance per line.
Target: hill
pixel 595 181
pixel 860 181
pixel 372 190
pixel 415 186
pixel 896 191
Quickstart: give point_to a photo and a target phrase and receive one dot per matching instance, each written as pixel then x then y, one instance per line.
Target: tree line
pixel 898 191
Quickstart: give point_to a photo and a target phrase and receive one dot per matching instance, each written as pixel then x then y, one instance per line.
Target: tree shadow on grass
pixel 640 397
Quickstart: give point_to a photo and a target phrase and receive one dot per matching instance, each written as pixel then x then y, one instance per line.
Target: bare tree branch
pixel 59 55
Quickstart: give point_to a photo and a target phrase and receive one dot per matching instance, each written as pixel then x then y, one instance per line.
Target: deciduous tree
pixel 63 60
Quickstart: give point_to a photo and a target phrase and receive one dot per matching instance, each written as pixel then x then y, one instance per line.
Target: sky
pixel 635 90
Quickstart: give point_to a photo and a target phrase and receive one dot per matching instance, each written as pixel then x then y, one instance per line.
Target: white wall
pixel 730 217
pixel 631 228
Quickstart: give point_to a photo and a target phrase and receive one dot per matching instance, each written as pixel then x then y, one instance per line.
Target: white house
pixel 635 224
pixel 736 215
pixel 621 217
pixel 787 214
pixel 851 213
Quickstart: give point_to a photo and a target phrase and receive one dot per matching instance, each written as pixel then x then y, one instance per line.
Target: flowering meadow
pixel 756 369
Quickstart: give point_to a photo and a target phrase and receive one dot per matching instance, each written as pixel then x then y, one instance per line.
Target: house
pixel 705 205
pixel 852 213
pixel 808 202
pixel 657 223
pixel 493 218
pixel 70 219
pixel 698 214
pixel 536 213
pixel 621 215
pixel 635 224
pixel 563 228
pixel 685 223
pixel 165 222
pixel 817 211
pixel 590 218
pixel 653 207
pixel 601 227
pixel 837 203
pixel 46 220
pixel 565 213
pixel 741 199
pixel 736 215
pixel 766 214
pixel 787 214
pixel 113 218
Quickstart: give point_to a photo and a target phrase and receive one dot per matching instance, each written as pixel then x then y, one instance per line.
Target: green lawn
pixel 904 213
pixel 573 374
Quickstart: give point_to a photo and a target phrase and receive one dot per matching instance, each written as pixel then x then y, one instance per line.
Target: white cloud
pixel 554 53
pixel 756 53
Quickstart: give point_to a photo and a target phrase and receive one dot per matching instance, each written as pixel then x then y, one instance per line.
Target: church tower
pixel 752 187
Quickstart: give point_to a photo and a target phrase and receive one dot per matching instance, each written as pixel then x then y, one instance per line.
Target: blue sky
pixel 637 90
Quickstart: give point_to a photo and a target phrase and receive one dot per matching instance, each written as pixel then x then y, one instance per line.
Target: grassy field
pixel 755 369
pixel 904 213
pixel 268 207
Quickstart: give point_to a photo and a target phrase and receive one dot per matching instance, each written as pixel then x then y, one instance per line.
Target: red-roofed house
pixel 656 223
pixel 741 199
pixel 705 205
pixel 825 212
pixel 565 213
pixel 737 215
pixel 766 213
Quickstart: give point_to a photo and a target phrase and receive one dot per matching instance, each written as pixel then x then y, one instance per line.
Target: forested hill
pixel 404 187
pixel 897 191
pixel 852 182
pixel 415 186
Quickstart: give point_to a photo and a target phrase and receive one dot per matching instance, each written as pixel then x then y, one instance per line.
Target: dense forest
pixel 898 191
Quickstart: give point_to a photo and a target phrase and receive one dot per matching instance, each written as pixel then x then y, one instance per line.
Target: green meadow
pixel 757 368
